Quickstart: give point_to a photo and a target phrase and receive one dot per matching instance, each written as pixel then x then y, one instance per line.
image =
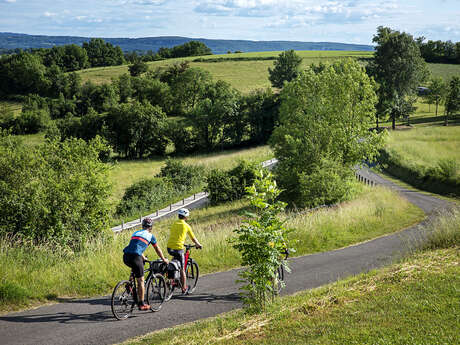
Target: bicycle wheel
pixel 156 292
pixel 123 299
pixel 279 280
pixel 169 288
pixel 192 273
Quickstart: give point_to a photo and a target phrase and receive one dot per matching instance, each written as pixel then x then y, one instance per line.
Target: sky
pixel 348 21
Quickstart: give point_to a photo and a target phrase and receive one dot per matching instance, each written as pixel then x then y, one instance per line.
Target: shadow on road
pixel 61 318
pixel 210 298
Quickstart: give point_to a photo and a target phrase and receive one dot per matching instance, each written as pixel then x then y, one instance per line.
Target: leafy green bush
pixel 230 185
pixel 145 195
pixel 57 192
pixel 183 138
pixel 183 177
pixel 261 241
pixel 327 183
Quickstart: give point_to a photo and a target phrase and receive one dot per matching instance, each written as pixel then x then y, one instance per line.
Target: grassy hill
pixel 245 75
pixel 251 74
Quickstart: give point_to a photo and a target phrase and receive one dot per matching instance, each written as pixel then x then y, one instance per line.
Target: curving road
pixel 89 321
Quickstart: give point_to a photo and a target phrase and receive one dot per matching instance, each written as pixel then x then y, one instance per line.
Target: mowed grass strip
pixel 413 302
pixel 36 274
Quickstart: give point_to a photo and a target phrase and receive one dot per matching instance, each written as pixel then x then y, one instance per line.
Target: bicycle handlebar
pixel 188 246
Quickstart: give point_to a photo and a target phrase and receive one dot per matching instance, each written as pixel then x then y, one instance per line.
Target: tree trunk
pixel 393 122
pixel 436 108
pixel 377 122
pixel 446 121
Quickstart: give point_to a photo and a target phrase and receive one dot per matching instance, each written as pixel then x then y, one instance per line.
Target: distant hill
pixel 13 40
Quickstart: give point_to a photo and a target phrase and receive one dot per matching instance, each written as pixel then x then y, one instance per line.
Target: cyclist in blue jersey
pixel 134 258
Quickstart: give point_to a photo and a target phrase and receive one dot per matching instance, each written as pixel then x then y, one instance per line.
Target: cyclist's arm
pixel 194 239
pixel 198 245
pixel 160 253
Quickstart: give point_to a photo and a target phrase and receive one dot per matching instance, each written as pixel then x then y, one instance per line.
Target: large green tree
pixel 452 98
pixel 137 129
pixel 56 193
pixel 286 68
pixel 217 106
pixel 22 73
pixel 324 132
pixel 437 91
pixel 398 68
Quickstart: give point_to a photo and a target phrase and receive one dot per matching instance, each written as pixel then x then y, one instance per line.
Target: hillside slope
pixel 15 40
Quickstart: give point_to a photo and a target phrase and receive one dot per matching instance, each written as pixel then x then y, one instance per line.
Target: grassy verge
pixel 412 302
pixel 426 157
pixel 32 274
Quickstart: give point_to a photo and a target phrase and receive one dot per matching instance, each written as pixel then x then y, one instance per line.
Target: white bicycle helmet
pixel 183 212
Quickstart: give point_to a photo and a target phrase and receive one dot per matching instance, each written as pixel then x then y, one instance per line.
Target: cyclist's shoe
pixel 186 290
pixel 144 307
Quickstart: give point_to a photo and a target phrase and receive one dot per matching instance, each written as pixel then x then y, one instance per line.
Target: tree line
pixel 143 115
pixel 439 51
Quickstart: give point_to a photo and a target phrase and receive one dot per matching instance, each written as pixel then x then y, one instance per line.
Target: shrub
pixel 183 138
pixel 327 183
pixel 56 192
pixel 32 121
pixel 261 240
pixel 145 195
pixel 183 177
pixel 230 185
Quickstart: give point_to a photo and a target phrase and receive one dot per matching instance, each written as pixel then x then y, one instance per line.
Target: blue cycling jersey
pixel 140 240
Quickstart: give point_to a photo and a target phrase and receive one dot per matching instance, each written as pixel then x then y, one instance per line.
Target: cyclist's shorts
pixel 178 254
pixel 135 262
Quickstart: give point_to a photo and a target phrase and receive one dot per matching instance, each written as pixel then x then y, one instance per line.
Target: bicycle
pixel 279 275
pixel 124 296
pixel 192 273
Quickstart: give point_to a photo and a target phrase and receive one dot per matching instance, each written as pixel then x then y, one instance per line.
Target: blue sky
pixel 349 21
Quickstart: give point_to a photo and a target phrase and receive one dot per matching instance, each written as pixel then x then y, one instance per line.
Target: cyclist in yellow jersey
pixel 179 231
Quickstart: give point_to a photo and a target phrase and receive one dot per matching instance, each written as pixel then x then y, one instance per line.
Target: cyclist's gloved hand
pixel 199 246
pixel 166 261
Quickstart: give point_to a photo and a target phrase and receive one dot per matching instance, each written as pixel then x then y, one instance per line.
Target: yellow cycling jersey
pixel 179 231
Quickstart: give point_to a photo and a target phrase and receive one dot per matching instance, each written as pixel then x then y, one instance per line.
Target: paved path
pixel 90 321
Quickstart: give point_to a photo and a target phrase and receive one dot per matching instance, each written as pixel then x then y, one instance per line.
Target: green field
pixel 426 146
pixel 45 274
pixel 245 76
pixel 416 301
pixel 125 173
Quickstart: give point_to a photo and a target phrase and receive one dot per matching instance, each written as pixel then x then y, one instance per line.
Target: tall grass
pixel 427 157
pixel 426 146
pixel 32 274
pixel 445 230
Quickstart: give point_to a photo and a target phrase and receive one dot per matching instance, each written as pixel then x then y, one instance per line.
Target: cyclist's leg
pixel 137 265
pixel 179 255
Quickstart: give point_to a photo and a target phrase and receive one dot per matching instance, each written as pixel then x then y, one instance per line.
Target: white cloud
pixel 10 1
pixel 49 14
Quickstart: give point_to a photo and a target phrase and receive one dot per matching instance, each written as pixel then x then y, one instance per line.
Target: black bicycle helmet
pixel 147 222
